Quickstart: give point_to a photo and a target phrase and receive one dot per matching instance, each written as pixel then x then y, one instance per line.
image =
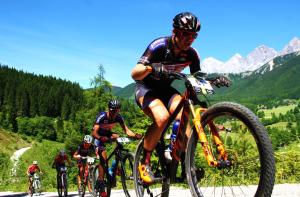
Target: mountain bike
pixel 87 176
pixel 62 182
pixel 124 166
pixel 227 153
pixel 36 185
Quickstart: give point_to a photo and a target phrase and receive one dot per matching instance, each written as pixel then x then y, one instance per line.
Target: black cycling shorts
pixel 163 93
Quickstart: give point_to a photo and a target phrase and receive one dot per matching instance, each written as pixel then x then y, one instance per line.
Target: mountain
pixel 278 79
pixel 255 59
pixel 292 46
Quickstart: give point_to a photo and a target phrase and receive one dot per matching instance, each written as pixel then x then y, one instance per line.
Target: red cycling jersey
pixel 32 169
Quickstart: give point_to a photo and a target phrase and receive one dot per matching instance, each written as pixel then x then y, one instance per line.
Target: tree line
pixel 45 107
pixel 27 95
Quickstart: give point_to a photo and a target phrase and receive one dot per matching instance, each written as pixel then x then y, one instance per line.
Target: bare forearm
pixel 140 71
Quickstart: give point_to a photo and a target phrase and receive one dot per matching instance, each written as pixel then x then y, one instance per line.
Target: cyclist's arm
pixel 76 156
pixel 140 71
pixel 38 169
pixel 95 134
pixel 127 130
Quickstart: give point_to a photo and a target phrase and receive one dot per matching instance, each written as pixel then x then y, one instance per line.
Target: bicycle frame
pixel 186 106
pixel 116 152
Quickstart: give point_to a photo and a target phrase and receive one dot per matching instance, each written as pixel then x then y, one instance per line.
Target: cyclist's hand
pixel 221 81
pixel 138 136
pixel 159 71
pixel 78 157
pixel 104 139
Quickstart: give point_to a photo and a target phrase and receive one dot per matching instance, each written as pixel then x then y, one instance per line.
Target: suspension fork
pixel 203 140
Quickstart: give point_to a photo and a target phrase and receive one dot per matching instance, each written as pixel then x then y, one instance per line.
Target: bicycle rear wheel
pixel 249 150
pixel 127 173
pixel 161 187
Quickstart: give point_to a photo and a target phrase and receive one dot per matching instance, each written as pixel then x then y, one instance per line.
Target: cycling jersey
pixel 85 152
pixel 60 160
pixel 161 51
pixel 106 124
pixel 32 169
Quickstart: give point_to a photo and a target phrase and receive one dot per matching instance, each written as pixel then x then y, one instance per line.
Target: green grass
pixel 280 125
pixel 277 111
pixel 10 142
pixel 43 152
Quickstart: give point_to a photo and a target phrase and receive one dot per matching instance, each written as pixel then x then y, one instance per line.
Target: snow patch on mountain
pixel 254 60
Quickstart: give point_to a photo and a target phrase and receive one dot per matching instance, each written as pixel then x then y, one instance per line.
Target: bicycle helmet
pixel 186 21
pixel 62 152
pixel 88 139
pixel 34 162
pixel 114 104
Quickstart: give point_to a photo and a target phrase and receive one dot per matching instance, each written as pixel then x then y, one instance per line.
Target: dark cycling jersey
pixel 107 124
pixel 161 51
pixel 85 152
pixel 60 160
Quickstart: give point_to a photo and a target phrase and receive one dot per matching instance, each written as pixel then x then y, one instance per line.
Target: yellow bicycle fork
pixel 196 114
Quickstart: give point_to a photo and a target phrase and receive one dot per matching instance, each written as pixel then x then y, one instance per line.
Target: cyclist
pixel 31 170
pixel 59 161
pixel 86 148
pixel 154 94
pixel 105 121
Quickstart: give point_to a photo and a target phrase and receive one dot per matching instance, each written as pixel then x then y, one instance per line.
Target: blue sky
pixel 69 38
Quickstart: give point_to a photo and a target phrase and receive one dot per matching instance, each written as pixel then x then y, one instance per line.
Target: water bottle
pixel 172 140
pixel 174 134
pixel 112 168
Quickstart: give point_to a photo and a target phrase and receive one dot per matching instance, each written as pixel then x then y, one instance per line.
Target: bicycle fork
pixel 223 161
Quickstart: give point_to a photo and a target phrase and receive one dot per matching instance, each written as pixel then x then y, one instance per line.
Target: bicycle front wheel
pixel 127 173
pixel 96 188
pixel 64 185
pixel 252 166
pixel 160 188
pixel 59 186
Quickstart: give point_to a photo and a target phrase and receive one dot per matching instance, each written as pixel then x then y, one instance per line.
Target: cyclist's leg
pixel 29 182
pixel 157 111
pixel 173 104
pixel 80 172
pixel 103 158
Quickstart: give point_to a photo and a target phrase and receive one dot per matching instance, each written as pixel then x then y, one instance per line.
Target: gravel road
pixel 281 190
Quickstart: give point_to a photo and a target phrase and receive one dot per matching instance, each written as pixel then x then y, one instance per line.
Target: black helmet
pixel 114 104
pixel 186 21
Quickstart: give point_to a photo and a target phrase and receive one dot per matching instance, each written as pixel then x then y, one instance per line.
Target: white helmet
pixel 88 139
pixel 62 152
pixel 34 162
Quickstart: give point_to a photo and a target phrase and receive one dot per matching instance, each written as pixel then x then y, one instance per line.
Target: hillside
pixel 10 142
pixel 279 83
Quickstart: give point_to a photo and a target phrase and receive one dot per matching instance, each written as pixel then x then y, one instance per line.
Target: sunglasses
pixel 186 34
pixel 114 110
